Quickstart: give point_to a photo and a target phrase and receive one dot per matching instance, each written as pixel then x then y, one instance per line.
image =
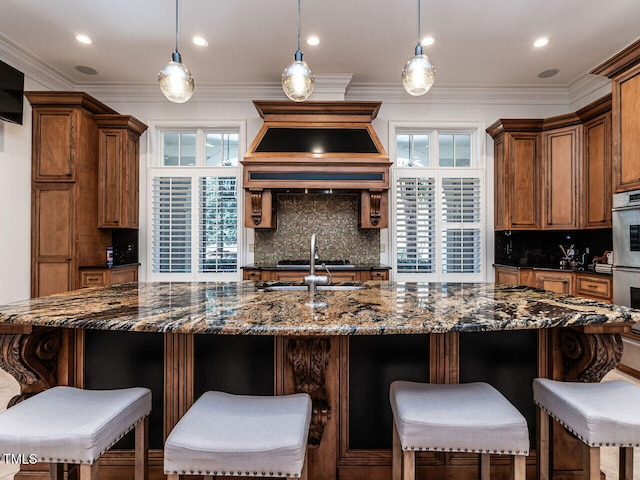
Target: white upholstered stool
pixel 471 417
pixel 224 434
pixel 70 425
pixel 599 414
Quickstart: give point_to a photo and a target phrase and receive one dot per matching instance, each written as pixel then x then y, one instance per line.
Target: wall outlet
pixel 251 247
pixel 383 248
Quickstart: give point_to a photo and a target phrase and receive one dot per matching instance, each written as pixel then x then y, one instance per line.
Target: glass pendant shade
pixel 297 80
pixel 176 81
pixel 418 74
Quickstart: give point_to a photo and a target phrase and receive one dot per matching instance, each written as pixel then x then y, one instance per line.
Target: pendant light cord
pixel 418 21
pixel 176 26
pixel 298 25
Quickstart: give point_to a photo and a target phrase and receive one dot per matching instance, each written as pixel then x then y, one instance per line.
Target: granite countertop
pixel 244 308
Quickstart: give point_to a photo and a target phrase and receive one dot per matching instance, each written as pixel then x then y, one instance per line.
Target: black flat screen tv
pixel 11 93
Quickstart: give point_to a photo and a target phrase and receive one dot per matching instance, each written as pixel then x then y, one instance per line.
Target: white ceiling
pixel 480 43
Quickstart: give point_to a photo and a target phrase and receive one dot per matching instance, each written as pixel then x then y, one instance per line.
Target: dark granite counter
pixel 318 267
pixel 245 308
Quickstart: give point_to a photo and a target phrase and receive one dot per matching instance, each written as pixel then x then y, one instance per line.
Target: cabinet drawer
pixel 379 275
pixel 593 287
pixel 92 279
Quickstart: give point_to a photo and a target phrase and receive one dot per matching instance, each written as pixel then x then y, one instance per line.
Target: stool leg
pixel 409 465
pixel 396 461
pixel 56 471
pixel 626 463
pixel 543 459
pixel 303 473
pixel 484 468
pixel 89 472
pixel 518 467
pixel 142 450
pixel 591 463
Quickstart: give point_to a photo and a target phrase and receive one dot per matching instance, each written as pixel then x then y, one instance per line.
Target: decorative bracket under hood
pixel 316 145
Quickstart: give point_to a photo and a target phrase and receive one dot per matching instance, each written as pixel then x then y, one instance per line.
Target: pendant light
pixel 297 79
pixel 175 79
pixel 419 73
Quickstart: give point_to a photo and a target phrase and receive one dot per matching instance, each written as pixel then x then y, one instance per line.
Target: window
pixel 438 205
pixel 195 195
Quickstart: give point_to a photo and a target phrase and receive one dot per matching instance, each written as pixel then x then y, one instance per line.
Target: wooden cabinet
pixel 64 221
pixel 297 276
pixel 119 160
pixel 516 174
pixel 596 172
pixel 561 162
pixel 565 185
pixel 508 276
pixel 555 281
pixel 597 287
pixel 626 130
pixel 94 277
pixel 66 170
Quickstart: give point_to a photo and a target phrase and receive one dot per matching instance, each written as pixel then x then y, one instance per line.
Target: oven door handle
pixel 625 208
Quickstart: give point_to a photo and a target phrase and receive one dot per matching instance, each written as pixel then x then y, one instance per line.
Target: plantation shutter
pixel 461 204
pixel 416 225
pixel 171 224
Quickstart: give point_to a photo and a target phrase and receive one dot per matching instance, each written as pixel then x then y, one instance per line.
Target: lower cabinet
pixel 265 274
pixel 582 284
pixel 99 276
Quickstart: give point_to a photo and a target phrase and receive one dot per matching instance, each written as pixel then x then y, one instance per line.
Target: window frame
pixel 477 169
pixel 195 172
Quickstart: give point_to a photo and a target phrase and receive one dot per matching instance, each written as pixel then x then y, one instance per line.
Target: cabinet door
pixel 53 144
pixel 52 238
pixel 596 177
pixel 130 194
pixel 507 276
pixel 559 282
pixel 378 275
pixel 626 131
pixel 561 155
pixel 289 275
pixel 500 202
pixel 524 189
pixel 110 185
pixel 124 274
pixel 253 275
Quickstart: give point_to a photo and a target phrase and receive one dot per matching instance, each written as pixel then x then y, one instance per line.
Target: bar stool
pixel 224 434
pixel 70 425
pixel 598 414
pixel 470 417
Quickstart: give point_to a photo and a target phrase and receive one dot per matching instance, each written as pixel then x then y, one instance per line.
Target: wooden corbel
pixel 373 209
pixel 259 209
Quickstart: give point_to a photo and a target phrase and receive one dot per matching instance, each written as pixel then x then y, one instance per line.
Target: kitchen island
pixel 188 336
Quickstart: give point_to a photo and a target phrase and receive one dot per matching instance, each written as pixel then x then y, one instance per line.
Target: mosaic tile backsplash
pixel 334 220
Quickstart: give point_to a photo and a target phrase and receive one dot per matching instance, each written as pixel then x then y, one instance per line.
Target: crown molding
pixel 32 66
pixel 586 89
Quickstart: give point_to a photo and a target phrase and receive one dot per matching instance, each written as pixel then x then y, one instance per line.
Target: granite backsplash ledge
pixel 334 220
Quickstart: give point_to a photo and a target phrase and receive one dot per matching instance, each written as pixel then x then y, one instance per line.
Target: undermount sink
pixel 275 288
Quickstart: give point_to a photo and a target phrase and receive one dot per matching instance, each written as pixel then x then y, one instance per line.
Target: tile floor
pixel 9 388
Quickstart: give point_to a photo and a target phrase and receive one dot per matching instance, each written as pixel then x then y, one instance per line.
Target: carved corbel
pixel 309 359
pixel 32 359
pixel 256 207
pixel 373 209
pixel 589 357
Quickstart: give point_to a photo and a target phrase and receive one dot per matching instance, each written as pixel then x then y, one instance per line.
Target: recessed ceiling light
pixel 548 73
pixel 313 41
pixel 541 42
pixel 426 41
pixel 86 70
pixel 83 39
pixel 200 41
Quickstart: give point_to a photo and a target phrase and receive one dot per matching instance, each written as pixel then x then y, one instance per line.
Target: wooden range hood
pixel 316 145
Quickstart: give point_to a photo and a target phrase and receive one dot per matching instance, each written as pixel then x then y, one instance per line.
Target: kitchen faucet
pixel 312 280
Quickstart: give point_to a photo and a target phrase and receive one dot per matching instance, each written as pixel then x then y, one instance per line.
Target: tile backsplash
pixel 334 220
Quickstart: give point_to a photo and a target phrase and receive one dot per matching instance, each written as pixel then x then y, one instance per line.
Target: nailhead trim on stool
pixel 241 435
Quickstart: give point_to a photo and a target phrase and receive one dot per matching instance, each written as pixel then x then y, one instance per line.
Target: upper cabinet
pixel 624 70
pixel 553 174
pixel 517 174
pixel 119 164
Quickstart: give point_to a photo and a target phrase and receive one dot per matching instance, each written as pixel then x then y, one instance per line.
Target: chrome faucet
pixel 312 280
